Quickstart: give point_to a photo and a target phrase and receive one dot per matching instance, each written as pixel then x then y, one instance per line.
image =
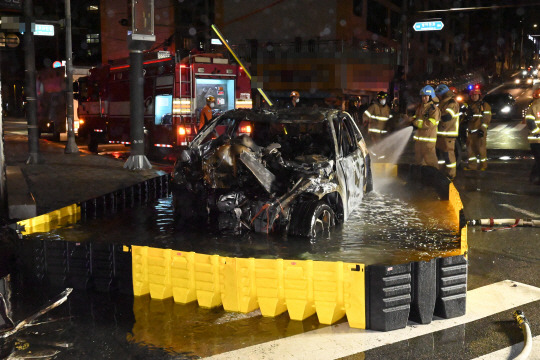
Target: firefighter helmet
pixel 295 94
pixel 475 92
pixel 453 89
pixel 441 89
pixel 210 98
pixel 382 95
pixel 536 93
pixel 428 91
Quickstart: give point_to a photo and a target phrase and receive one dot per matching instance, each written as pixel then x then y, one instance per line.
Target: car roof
pixel 302 115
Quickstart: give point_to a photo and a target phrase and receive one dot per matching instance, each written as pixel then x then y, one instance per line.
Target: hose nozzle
pixel 520 317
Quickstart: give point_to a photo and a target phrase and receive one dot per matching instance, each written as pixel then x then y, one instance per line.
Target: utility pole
pixel 4 208
pixel 71 145
pixel 140 38
pixel 34 156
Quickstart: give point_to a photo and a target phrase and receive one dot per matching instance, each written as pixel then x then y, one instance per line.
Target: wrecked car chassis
pixel 295 170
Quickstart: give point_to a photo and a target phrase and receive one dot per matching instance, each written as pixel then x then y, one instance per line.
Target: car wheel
pixel 311 218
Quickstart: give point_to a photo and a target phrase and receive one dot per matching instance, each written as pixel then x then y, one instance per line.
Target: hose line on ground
pixel 527 336
pixel 503 223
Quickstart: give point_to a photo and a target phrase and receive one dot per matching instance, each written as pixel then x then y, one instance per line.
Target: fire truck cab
pixel 174 94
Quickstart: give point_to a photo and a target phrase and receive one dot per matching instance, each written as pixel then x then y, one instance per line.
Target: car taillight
pixel 245 129
pixel 184 130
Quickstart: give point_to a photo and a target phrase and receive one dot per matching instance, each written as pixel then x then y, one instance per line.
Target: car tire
pixel 311 218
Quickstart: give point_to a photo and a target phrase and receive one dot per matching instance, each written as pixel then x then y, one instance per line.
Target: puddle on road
pixel 395 224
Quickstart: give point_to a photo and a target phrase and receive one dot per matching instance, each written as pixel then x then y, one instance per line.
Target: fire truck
pixel 175 91
pixel 51 101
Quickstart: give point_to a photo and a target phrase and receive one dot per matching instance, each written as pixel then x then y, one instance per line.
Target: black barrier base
pixel 388 296
pixel 424 291
pixel 451 287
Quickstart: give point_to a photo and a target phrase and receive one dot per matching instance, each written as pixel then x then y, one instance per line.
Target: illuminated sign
pixel 44 30
pixel 428 25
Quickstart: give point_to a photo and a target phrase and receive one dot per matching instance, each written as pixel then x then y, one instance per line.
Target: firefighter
pixel 532 119
pixel 426 119
pixel 376 117
pixel 447 130
pixel 206 112
pixel 295 98
pixel 477 131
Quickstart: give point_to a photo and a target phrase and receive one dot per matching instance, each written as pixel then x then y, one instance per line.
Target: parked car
pixel 503 105
pixel 299 170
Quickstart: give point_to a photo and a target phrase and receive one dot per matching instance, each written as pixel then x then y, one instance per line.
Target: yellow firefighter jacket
pixel 377 115
pixel 533 113
pixel 449 124
pixel 481 116
pixel 426 119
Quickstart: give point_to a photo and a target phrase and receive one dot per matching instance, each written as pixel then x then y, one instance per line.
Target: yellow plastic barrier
pixel 298 284
pixel 455 201
pixel 183 276
pixel 207 280
pixel 159 273
pixel 328 291
pixel 354 294
pixel 238 292
pixel 50 221
pixel 139 261
pixel 384 169
pixel 270 289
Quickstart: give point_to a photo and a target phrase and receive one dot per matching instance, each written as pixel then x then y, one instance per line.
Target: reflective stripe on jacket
pixel 450 106
pixel 426 119
pixel 481 116
pixel 533 113
pixel 377 116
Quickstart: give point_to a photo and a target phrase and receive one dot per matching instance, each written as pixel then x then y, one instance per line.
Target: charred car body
pixel 264 170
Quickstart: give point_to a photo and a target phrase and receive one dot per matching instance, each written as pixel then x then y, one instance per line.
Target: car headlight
pixel 506 109
pixel 517 81
pixel 524 72
pixel 529 81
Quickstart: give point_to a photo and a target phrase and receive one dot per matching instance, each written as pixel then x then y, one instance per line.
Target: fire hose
pixel 527 336
pixel 504 223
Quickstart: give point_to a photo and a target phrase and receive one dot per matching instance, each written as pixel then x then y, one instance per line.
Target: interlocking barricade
pixel 207 280
pixel 79 270
pixel 269 280
pixel 159 273
pixel 183 276
pixel 238 290
pixel 298 284
pixel 451 286
pixel 328 291
pixel 388 296
pixel 140 270
pixel 354 294
pixel 424 291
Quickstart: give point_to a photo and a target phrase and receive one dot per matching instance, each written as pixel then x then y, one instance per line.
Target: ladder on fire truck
pixel 189 93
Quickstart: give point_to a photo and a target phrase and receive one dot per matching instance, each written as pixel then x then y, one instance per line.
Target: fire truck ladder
pixel 188 95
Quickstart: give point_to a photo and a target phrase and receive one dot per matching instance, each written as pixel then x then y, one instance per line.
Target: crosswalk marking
pixel 340 340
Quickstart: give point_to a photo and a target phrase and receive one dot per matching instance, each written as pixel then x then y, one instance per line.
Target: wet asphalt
pixel 118 326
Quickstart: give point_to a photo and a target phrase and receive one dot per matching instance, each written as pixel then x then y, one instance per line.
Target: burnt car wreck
pixel 295 170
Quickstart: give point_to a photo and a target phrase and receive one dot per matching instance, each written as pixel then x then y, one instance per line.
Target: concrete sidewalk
pixel 62 179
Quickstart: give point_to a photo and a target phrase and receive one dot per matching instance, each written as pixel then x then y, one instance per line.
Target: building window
pixel 377 18
pixel 92 38
pixel 357 7
pixel 92 8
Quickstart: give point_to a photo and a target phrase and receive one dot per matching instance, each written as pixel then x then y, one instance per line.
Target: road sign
pixel 428 25
pixel 44 30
